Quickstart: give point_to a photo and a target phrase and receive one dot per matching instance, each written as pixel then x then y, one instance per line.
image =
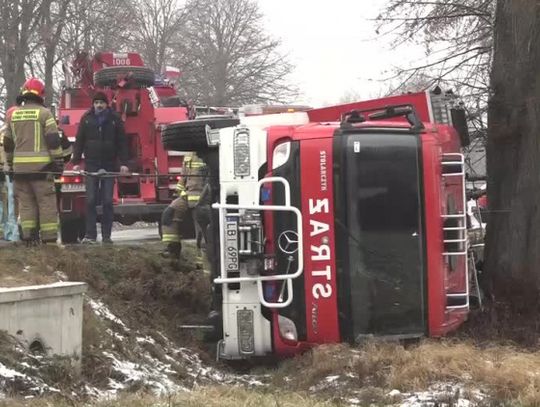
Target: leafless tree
pixel 458 38
pixel 97 25
pixel 227 58
pixel 19 19
pixel 349 96
pixel 51 27
pixel 513 236
pixel 157 23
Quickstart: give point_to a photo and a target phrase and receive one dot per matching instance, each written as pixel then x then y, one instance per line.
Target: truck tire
pixel 141 76
pixel 191 135
pixel 72 230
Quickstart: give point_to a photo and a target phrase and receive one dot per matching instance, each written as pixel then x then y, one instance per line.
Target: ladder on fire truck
pixel 453 167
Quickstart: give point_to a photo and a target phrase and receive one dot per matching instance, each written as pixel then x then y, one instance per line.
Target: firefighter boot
pixel 172 251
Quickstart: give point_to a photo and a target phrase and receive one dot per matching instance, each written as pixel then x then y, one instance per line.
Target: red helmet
pixel 35 86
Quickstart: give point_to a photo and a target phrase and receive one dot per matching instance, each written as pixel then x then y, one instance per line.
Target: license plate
pixel 73 188
pixel 231 244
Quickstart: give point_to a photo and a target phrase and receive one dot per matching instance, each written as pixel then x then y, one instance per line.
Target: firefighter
pixel 34 155
pixel 188 189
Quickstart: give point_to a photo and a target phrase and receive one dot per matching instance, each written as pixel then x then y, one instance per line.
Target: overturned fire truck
pixel 340 223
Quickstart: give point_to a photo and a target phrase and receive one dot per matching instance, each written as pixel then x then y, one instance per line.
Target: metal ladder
pixel 457 161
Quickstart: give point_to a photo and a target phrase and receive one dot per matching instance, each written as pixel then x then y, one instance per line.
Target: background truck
pixel 340 223
pixel 145 102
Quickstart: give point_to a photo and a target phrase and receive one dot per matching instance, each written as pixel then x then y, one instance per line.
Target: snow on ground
pixel 155 362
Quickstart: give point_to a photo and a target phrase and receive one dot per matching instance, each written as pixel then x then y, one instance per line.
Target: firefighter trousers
pixel 38 216
pixel 171 220
pixel 201 219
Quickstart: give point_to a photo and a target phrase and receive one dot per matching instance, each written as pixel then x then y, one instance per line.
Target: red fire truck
pixel 145 102
pixel 339 224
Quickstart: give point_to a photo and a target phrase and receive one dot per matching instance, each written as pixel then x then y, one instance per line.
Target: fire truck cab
pixel 347 224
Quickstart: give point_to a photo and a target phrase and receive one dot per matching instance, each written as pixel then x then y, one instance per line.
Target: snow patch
pixel 101 310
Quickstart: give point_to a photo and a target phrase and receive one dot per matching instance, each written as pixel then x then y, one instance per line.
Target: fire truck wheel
pixel 191 135
pixel 140 76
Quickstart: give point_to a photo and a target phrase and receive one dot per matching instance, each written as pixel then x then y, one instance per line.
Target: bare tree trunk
pixel 513 160
pixel 18 20
pixel 52 29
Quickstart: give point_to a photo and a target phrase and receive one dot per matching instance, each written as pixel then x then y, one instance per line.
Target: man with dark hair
pixel 34 155
pixel 102 140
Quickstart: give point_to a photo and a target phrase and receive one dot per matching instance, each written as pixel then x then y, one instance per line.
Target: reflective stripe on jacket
pixel 32 138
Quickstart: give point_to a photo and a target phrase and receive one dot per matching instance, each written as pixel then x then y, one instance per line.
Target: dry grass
pixel 208 397
pixel 144 290
pixel 508 374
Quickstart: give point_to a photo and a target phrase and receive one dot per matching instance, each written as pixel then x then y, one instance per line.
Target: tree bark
pixel 513 156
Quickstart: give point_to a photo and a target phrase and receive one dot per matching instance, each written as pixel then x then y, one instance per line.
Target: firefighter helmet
pixel 34 86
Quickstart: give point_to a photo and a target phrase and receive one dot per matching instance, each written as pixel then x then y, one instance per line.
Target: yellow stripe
pixel 194 197
pixel 50 122
pixel 29 160
pixel 37 137
pixel 170 238
pixel 28 224
pixel 49 227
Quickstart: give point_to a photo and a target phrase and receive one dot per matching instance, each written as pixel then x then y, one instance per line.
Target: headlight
pixel 281 154
pixel 287 328
pixel 244 321
pixel 241 152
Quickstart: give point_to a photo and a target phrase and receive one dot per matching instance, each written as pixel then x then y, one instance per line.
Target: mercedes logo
pixel 288 242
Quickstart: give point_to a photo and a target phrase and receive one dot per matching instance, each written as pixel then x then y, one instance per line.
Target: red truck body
pixel 144 110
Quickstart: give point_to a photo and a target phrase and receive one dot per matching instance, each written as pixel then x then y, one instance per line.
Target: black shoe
pixel 107 240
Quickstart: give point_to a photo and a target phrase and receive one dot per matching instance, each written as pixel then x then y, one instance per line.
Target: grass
pixel 152 294
pixel 207 397
pixel 508 374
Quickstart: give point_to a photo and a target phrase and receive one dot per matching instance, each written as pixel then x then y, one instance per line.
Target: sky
pixel 334 47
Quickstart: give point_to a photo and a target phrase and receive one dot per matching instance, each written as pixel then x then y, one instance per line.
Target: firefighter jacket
pixel 31 141
pixel 194 174
pixel 102 140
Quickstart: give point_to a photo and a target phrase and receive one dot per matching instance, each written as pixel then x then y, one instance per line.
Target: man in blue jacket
pixel 102 140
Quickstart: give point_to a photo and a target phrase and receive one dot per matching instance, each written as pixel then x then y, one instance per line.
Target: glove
pixel 2 176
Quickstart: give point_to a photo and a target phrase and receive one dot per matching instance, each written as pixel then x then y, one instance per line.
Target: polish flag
pixel 172 73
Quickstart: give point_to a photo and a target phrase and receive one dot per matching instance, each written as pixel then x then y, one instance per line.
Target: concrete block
pixel 46 318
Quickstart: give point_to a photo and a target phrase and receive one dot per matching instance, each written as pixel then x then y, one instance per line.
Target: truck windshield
pixel 379 236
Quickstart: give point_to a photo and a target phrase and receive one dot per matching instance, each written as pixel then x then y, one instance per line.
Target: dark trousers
pixel 99 190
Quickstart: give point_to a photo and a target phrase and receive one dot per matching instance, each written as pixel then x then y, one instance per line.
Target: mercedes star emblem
pixel 288 242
